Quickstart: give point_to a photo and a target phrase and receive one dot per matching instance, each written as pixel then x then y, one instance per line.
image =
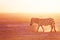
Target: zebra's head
pixel 30 24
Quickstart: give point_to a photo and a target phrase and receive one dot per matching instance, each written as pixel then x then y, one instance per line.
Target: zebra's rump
pixel 48 21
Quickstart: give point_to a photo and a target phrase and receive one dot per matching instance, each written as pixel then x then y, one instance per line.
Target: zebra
pixel 43 21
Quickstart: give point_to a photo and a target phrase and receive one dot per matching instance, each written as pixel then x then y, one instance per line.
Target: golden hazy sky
pixel 30 6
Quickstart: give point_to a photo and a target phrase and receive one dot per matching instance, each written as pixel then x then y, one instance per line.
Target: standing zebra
pixel 45 22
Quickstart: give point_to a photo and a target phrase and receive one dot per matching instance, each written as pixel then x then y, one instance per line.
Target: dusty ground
pixel 18 33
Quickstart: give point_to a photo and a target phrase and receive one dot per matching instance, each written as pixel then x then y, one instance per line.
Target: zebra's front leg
pixel 42 28
pixel 38 28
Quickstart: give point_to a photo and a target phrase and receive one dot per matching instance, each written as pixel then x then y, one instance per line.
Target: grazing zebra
pixel 43 21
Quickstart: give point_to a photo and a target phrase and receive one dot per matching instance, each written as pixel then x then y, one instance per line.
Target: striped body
pixel 45 22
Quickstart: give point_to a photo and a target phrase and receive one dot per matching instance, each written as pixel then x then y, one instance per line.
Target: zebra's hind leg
pixel 54 29
pixel 51 28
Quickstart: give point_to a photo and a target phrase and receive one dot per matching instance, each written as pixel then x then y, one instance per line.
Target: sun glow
pixel 29 6
pixel 27 9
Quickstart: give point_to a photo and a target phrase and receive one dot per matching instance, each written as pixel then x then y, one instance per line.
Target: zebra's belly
pixel 44 24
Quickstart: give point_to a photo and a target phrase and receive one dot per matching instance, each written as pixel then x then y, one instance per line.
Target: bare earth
pixel 18 33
